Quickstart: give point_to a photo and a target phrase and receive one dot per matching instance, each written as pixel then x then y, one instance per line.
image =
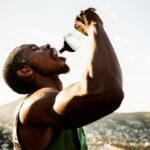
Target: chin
pixel 65 69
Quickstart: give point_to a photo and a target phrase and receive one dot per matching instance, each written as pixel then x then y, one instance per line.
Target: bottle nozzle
pixel 62 50
pixel 66 47
pixel 72 41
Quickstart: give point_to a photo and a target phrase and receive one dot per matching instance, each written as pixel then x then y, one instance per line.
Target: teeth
pixel 55 53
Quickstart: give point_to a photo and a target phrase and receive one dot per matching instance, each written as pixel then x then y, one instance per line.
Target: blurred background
pixel 127 25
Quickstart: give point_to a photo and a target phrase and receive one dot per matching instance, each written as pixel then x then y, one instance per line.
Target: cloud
pixel 140 59
pixel 107 14
pixel 121 42
pixel 36 35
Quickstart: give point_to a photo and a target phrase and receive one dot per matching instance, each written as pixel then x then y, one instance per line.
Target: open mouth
pixel 54 52
pixel 55 55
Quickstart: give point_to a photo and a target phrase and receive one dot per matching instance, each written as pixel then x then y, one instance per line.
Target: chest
pixel 35 137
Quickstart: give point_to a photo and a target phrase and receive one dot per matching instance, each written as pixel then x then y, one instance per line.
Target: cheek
pixel 39 60
pixel 44 63
pixel 46 66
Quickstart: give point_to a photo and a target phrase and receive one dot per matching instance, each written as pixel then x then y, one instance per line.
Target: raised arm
pixel 99 92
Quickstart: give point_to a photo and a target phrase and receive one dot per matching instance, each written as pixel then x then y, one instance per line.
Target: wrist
pixel 95 27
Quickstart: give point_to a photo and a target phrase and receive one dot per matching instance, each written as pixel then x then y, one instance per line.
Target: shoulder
pixel 37 106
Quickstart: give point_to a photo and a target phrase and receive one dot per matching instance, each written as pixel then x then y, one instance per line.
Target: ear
pixel 26 71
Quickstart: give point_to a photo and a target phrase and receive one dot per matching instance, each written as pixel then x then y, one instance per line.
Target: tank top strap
pixel 16 136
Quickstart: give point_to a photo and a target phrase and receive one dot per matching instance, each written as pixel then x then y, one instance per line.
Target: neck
pixel 56 83
pixel 52 82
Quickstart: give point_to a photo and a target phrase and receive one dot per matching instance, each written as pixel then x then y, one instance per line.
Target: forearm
pixel 103 69
pixel 99 91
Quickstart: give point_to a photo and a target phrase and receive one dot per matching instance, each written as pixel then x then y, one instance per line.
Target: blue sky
pixel 126 22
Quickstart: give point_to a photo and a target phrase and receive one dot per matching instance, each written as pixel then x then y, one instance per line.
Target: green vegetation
pixel 5 139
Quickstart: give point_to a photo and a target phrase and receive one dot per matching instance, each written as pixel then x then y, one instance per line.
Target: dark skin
pixel 98 93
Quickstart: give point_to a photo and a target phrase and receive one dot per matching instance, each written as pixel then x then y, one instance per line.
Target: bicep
pixel 80 108
pixel 65 97
pixel 67 109
pixel 39 110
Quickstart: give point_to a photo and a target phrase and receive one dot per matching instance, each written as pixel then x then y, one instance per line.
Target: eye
pixel 34 47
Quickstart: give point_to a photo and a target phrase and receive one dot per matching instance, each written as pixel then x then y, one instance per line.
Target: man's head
pixel 26 61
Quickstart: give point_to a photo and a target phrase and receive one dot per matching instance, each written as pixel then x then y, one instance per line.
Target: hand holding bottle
pixel 83 22
pixel 85 19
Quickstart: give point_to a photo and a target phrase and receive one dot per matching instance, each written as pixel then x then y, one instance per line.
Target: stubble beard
pixel 63 70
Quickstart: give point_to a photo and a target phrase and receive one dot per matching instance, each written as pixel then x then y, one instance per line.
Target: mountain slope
pixel 125 130
pixel 121 129
pixel 7 112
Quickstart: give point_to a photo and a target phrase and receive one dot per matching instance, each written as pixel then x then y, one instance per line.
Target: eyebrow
pixel 32 45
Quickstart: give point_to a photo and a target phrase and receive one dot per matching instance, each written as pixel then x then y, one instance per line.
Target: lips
pixel 55 55
pixel 62 58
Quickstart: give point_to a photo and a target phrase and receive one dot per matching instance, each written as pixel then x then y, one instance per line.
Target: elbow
pixel 117 99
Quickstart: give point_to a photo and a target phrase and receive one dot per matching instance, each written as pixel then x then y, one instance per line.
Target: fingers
pixel 91 9
pixel 81 24
pixel 81 13
pixel 84 20
pixel 87 15
pixel 81 18
pixel 91 15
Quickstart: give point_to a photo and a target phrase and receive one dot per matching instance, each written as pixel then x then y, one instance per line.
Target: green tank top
pixel 69 140
pixel 73 139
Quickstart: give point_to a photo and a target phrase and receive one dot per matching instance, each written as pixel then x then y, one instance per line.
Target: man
pixel 51 118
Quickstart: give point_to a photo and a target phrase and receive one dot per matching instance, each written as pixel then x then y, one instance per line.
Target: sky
pixel 126 23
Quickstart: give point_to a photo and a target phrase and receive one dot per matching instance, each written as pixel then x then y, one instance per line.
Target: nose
pixel 47 46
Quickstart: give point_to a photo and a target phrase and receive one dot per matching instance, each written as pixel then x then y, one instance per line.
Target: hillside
pixel 130 131
pixel 7 112
pixel 125 130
